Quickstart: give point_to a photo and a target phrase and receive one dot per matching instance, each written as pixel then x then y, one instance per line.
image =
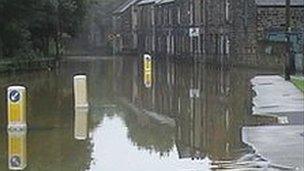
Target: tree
pixel 38 25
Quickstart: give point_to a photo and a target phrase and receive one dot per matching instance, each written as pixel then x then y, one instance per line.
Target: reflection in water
pixel 114 151
pixel 132 127
pixel 149 134
pixel 147 70
pixel 209 105
pixel 81 123
pixel 17 150
pixel 50 138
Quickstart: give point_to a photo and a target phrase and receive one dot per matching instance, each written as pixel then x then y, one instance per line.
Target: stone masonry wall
pixel 270 18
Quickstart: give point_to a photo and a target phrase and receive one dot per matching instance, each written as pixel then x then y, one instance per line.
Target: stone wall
pixel 271 54
pixel 146 27
pixel 274 18
pixel 126 21
pixel 123 28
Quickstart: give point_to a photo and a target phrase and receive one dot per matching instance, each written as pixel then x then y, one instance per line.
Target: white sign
pixel 194 93
pixel 194 32
pixel 147 57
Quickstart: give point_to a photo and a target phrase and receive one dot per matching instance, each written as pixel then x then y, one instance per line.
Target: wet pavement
pixel 281 145
pixel 131 126
pixel 277 97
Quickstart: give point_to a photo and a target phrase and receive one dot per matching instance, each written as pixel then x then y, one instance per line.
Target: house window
pixel 191 12
pixel 178 16
pixel 227 10
pixel 227 42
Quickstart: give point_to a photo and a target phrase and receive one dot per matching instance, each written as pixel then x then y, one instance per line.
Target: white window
pixel 178 16
pixel 227 10
pixel 227 45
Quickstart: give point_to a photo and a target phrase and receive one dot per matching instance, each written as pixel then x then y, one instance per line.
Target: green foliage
pixel 298 82
pixel 28 27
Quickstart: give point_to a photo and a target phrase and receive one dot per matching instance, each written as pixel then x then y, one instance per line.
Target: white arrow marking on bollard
pixel 16 107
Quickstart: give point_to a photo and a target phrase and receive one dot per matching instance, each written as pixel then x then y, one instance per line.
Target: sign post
pixel 194 32
pixel 80 91
pixel 147 70
pixel 16 101
pixel 194 93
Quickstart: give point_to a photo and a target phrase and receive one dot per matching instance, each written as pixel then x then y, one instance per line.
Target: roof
pixel 145 2
pixel 160 2
pixel 122 8
pixel 279 2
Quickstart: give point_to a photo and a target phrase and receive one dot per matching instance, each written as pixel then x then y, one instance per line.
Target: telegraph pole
pixel 287 61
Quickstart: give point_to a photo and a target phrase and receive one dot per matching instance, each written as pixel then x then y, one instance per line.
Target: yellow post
pixel 147 70
pixel 16 98
pixel 81 123
pixel 80 91
pixel 17 150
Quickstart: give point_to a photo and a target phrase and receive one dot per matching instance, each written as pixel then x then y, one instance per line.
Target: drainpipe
pixel 287 68
pixel 246 16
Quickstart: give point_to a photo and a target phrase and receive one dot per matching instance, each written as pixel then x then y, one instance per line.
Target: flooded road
pixel 189 118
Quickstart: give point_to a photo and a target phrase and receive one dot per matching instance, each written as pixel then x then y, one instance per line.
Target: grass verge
pixel 298 82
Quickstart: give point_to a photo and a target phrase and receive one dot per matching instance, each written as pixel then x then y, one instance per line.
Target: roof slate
pixel 144 2
pixel 165 1
pixel 122 8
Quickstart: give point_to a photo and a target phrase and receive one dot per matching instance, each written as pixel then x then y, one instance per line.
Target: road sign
pixel 111 37
pixel 194 93
pixel 147 70
pixel 17 150
pixel 194 32
pixel 16 98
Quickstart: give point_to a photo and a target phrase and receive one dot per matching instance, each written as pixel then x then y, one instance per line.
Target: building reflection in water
pixel 81 123
pixel 17 150
pixel 209 105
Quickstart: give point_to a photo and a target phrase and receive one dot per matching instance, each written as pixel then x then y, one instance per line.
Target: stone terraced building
pixel 271 25
pixel 271 20
pixel 213 30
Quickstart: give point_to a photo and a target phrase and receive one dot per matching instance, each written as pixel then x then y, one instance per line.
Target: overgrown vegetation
pixel 38 28
pixel 31 29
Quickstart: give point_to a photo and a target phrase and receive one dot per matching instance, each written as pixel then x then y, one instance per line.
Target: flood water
pixel 129 125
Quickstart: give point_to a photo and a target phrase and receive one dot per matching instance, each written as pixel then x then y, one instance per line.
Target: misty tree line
pixel 39 28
